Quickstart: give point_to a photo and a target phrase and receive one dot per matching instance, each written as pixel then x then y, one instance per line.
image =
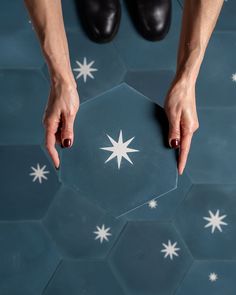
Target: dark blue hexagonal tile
pixel 13 17
pixel 212 155
pixel 206 220
pixel 119 136
pixel 28 258
pixel 164 206
pixel 209 277
pixel 28 182
pixel 150 258
pixel 20 50
pixel 71 14
pixel 24 95
pixel 80 228
pixel 216 82
pixel 92 64
pixel 140 54
pixel 152 84
pixel 83 277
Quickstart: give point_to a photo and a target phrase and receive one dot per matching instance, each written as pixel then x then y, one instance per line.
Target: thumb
pixel 67 133
pixel 174 133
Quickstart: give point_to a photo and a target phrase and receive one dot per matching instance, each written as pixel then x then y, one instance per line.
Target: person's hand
pixel 59 117
pixel 180 108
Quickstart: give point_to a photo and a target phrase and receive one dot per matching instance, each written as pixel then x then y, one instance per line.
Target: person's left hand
pixel 180 108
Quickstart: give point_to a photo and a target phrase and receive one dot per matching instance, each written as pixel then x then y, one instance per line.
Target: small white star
pixel 152 204
pixel 213 277
pixel 39 173
pixel 85 69
pixel 215 221
pixel 170 249
pixel 102 233
pixel 119 149
pixel 233 77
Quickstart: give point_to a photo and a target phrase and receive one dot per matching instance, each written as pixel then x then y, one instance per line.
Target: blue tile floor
pixel 103 225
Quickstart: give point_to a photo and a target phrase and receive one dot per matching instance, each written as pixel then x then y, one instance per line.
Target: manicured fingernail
pixel 67 142
pixel 175 143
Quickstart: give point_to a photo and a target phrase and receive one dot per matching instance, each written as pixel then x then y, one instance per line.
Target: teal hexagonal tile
pixel 24 95
pixel 216 84
pixel 152 84
pixel 209 277
pixel 28 258
pixel 212 155
pixel 28 182
pixel 119 136
pixel 150 258
pixel 140 54
pixel 206 220
pixel 79 228
pixel 163 207
pixel 84 277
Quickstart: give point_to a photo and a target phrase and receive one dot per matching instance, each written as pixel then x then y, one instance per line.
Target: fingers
pixel 185 144
pixel 51 126
pixel 174 132
pixel 67 130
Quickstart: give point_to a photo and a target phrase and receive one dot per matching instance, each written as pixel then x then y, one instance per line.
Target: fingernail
pixel 67 142
pixel 175 143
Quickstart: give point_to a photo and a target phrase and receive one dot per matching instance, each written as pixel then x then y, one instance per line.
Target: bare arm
pixel 198 22
pixel 63 102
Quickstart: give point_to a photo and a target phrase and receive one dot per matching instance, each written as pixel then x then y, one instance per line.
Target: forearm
pixel 198 22
pixel 48 22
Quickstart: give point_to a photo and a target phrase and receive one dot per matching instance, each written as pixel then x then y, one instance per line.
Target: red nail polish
pixel 67 142
pixel 175 143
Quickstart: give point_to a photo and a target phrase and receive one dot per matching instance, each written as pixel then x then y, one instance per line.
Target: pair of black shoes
pixel 101 18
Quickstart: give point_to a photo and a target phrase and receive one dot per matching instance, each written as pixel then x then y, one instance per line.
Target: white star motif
pixel 233 77
pixel 213 277
pixel 119 149
pixel 39 173
pixel 102 233
pixel 215 221
pixel 170 249
pixel 152 204
pixel 85 69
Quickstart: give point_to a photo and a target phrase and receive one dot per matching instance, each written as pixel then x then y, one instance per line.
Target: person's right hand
pixel 59 117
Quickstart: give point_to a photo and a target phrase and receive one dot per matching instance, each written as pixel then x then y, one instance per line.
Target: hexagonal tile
pixel 209 277
pixel 92 64
pixel 13 17
pixel 216 84
pixel 226 20
pixel 24 95
pixel 152 84
pixel 206 220
pixel 20 50
pixel 83 277
pixel 28 258
pixel 70 14
pixel 163 207
pixel 72 220
pixel 147 255
pixel 212 155
pixel 140 54
pixel 28 182
pixel 110 174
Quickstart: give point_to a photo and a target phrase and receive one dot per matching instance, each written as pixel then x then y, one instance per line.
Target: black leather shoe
pixel 151 17
pixel 100 18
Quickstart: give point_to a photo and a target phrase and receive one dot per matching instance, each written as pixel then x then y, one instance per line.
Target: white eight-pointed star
pixel 119 149
pixel 215 221
pixel 39 173
pixel 233 77
pixel 152 204
pixel 213 277
pixel 170 249
pixel 102 233
pixel 85 69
